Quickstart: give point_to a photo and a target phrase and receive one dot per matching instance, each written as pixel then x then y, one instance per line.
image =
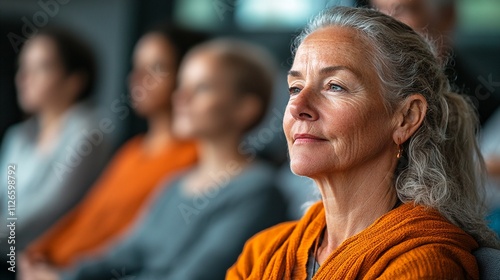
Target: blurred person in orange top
pixel 139 166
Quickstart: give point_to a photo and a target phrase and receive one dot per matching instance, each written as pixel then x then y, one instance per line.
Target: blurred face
pixel 335 118
pixel 152 79
pixel 205 103
pixel 41 77
pixel 415 13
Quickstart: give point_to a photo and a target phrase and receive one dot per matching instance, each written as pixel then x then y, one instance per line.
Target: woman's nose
pixel 303 107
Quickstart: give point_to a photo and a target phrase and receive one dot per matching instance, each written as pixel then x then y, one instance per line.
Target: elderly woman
pixel 393 151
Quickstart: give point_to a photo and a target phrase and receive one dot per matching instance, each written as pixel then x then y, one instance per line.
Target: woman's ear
pixel 248 110
pixel 410 116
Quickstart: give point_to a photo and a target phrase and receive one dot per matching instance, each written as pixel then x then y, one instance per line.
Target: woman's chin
pixel 301 168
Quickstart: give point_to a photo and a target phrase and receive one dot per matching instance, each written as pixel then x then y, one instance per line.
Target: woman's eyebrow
pixel 330 69
pixel 323 71
pixel 294 73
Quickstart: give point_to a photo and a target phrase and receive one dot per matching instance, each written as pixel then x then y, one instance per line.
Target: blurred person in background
pixel 61 149
pixel 372 119
pixel 139 166
pixel 437 20
pixel 199 223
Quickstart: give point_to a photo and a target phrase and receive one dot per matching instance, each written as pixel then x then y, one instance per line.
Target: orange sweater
pixel 409 242
pixel 113 202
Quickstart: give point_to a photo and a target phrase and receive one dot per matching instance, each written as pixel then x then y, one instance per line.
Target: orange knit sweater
pixel 113 202
pixel 409 242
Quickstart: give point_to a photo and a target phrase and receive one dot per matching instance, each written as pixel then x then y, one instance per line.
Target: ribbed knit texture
pixel 409 242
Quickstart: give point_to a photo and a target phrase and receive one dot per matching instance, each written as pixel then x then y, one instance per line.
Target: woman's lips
pixel 306 138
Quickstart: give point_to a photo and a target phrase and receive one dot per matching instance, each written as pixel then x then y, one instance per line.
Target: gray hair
pixel 442 166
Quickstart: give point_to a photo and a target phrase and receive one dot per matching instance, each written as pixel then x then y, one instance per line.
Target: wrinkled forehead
pixel 331 46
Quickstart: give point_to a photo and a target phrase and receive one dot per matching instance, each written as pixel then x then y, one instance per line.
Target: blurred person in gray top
pixel 60 150
pixel 197 226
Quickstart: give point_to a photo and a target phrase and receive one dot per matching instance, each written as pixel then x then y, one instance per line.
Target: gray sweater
pixel 185 237
pixel 48 184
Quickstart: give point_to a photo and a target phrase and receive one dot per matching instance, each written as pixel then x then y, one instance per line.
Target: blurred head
pixel 55 70
pixel 156 60
pixel 363 83
pixel 433 17
pixel 224 89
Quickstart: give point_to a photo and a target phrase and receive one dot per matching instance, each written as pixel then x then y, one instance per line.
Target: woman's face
pixel 40 78
pixel 152 79
pixel 205 101
pixel 335 119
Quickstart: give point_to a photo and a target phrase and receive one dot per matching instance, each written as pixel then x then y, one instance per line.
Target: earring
pixel 400 151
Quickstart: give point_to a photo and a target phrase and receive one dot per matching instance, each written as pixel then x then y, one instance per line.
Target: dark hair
pixel 75 55
pixel 181 39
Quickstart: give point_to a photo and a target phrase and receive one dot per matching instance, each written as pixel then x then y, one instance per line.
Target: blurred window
pixel 479 15
pixel 251 15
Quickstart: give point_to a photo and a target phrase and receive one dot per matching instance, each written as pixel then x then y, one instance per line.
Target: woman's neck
pixel 353 200
pixel 50 122
pixel 159 134
pixel 219 161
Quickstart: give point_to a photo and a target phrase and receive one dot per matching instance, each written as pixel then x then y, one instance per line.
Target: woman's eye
pixel 334 87
pixel 293 90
